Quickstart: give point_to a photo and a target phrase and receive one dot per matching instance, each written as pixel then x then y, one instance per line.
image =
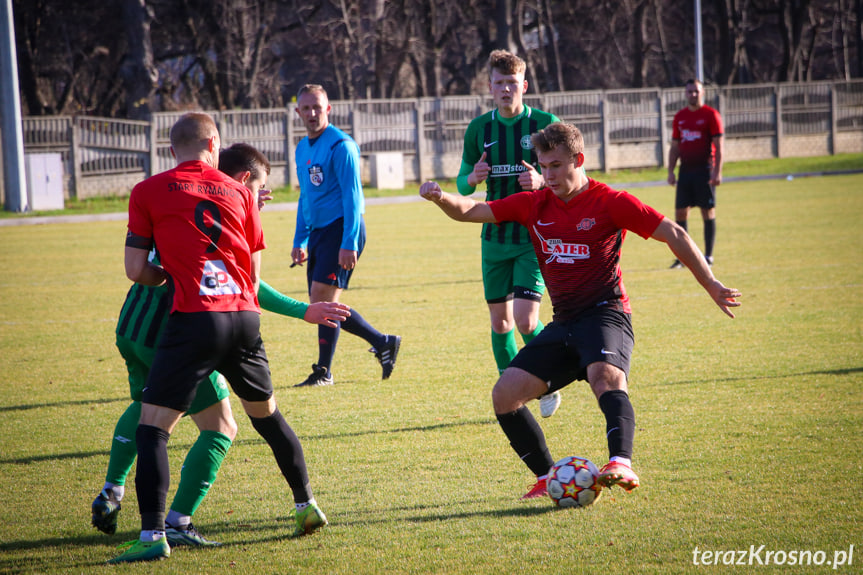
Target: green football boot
pixel 309 520
pixel 138 550
pixel 188 536
pixel 105 511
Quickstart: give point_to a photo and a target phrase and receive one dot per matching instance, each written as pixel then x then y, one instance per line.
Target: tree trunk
pixel 639 45
pixel 503 20
pixel 138 70
pixel 554 46
pixel 667 57
pixel 27 68
pixel 859 34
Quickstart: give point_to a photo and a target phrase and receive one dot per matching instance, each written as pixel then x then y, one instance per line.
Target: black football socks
pixel 619 422
pixel 527 439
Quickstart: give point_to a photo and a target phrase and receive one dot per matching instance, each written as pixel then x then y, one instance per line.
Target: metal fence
pixel 622 129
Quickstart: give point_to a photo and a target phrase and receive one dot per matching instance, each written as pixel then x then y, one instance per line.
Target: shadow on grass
pixel 29 406
pixel 433 427
pixel 842 371
pixel 101 548
pixel 184 446
pixel 284 525
pixel 276 529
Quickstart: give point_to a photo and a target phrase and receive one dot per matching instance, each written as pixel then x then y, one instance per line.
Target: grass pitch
pixel 748 429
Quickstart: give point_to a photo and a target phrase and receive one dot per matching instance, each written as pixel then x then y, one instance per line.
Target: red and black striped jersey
pixel 578 243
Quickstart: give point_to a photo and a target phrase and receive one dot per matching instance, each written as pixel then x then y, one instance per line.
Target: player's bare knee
pixel 514 389
pixel 230 428
pixel 503 326
pixel 502 397
pixel 259 409
pixel 604 377
pixel 526 325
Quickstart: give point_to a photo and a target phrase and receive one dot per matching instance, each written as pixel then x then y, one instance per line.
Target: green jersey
pixel 144 314
pixel 506 142
pixel 146 310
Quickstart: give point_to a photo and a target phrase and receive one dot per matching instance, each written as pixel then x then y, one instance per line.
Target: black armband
pixel 136 241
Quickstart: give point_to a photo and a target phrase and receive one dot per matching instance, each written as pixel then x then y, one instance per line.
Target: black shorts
pixel 324 246
pixel 694 190
pixel 561 353
pixel 195 344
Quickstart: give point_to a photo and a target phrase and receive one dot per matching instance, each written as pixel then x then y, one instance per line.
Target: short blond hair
pixel 559 134
pixel 192 131
pixel 307 88
pixel 505 63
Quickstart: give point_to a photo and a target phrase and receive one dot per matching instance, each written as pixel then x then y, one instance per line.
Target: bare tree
pixel 503 19
pixel 664 50
pixel 227 54
pixel 138 69
pixel 734 65
pixel 841 39
pixel 859 36
pixel 641 42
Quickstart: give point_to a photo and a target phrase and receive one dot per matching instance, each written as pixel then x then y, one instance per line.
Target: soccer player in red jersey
pixel 577 226
pixel 207 228
pixel 696 140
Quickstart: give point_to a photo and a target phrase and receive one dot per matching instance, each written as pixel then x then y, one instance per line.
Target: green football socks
pixel 526 337
pixel 123 448
pixel 504 348
pixel 200 468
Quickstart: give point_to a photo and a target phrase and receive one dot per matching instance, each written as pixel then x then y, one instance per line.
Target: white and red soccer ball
pixel 573 482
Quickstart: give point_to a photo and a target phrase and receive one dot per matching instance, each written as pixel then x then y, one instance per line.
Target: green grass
pixel 839 162
pixel 749 430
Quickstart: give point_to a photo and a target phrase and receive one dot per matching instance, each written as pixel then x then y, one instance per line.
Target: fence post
pixel 355 121
pixel 777 98
pixel 290 169
pixel 603 112
pixel 76 158
pixel 154 148
pixel 834 110
pixel 420 139
pixel 663 128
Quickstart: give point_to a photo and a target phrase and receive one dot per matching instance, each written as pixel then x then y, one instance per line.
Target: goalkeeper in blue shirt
pixel 331 233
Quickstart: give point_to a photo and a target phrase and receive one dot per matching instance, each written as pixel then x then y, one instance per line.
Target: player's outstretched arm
pixel 687 252
pixel 327 313
pixel 459 208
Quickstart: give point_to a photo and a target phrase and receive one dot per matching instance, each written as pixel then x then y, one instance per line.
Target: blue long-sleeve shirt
pixel 328 169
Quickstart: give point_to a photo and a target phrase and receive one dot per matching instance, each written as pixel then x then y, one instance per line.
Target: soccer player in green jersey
pixel 139 326
pixel 498 150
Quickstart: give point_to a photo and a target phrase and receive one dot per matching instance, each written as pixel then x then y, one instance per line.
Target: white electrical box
pixel 44 173
pixel 387 170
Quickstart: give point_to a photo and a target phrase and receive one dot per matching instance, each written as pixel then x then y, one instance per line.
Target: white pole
pixel 699 55
pixel 14 182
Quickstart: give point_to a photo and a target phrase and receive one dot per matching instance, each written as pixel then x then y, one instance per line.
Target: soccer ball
pixel 572 482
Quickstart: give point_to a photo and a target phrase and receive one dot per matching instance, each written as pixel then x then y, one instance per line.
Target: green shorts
pixel 510 271
pixel 139 358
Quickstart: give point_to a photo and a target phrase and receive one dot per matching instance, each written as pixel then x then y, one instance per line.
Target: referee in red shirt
pixel 696 140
